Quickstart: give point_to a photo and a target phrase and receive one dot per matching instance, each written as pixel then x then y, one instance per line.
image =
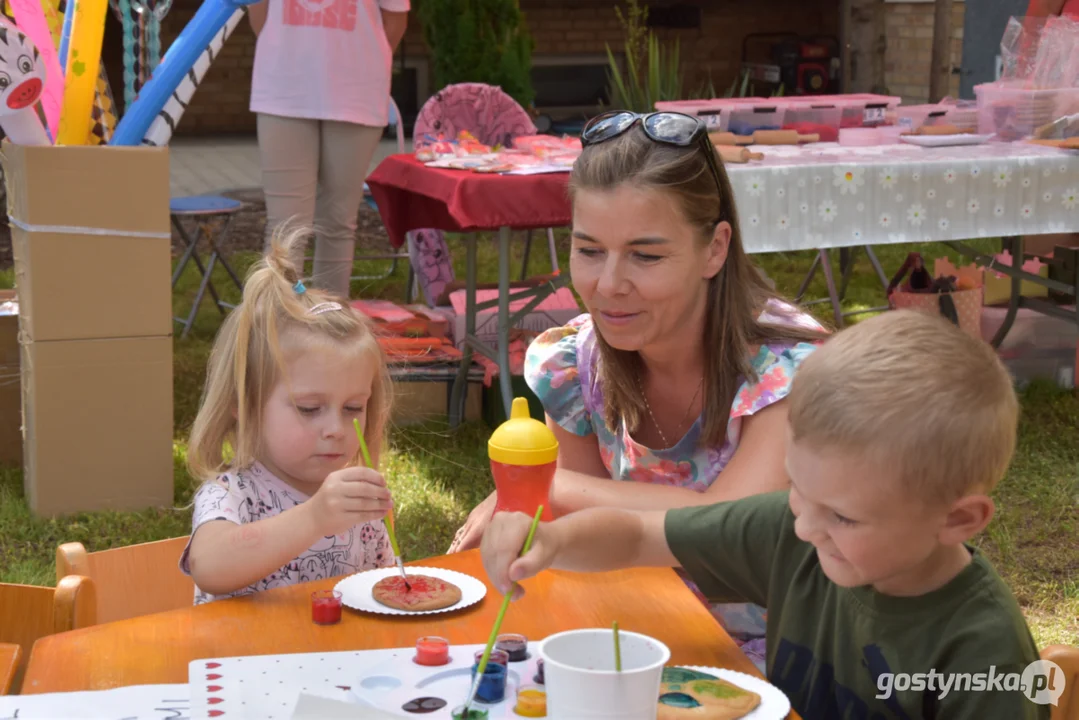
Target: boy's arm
pixel 593 540
pixel 728 549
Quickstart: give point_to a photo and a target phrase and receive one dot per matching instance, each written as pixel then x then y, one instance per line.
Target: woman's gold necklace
pixel 666 443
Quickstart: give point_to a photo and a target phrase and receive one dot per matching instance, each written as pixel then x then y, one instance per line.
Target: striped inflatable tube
pixel 164 124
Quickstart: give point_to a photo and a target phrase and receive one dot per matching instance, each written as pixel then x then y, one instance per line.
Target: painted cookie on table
pixel 427 593
pixel 693 694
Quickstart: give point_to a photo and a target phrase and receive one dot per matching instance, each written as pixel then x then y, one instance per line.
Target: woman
pixel 674 380
pixel 1049 8
pixel 1037 12
pixel 321 89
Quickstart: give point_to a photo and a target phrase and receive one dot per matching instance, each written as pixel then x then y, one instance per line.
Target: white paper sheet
pixel 314 707
pixel 136 702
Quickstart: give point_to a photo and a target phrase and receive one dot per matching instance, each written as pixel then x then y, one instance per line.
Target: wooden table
pixel 157 648
pixel 9 662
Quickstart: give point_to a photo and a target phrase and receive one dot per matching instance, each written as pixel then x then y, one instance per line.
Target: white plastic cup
pixel 581 680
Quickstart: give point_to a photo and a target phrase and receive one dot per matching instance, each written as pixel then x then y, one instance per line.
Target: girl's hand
pixel 502 544
pixel 469 535
pixel 350 497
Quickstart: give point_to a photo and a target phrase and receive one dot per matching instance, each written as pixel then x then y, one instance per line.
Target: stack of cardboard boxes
pixel 91 239
pixel 10 399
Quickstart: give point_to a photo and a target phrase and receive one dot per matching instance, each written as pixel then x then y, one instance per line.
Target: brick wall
pixel 221 101
pixel 714 49
pixel 909 28
pixel 558 27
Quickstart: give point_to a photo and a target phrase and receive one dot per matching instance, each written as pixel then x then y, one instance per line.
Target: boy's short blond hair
pixel 917 396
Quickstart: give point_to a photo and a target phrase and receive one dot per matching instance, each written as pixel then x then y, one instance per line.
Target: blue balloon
pixel 65 33
pixel 178 60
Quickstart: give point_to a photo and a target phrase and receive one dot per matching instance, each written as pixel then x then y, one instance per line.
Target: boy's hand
pixel 350 497
pixel 502 544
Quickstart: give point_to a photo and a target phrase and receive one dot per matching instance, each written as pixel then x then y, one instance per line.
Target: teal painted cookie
pixel 677 675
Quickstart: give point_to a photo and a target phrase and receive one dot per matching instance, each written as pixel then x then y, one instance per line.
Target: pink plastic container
pixel 748 119
pixel 820 120
pixel 742 114
pixel 714 113
pixel 854 107
pixel 913 117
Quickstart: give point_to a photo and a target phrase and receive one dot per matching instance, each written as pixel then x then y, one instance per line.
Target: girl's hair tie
pixel 299 287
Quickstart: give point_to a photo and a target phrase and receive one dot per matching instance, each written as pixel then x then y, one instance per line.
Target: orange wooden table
pixel 157 648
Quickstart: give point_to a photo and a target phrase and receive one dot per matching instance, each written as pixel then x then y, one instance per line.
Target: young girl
pixel 286 498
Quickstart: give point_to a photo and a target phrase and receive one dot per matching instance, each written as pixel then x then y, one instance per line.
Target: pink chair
pixel 493 118
pixel 491 115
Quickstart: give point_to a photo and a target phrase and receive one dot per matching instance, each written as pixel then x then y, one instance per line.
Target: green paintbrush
pixel 498 620
pixel 389 522
pixel 617 649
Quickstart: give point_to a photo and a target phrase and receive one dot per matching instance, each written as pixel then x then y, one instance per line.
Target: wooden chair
pixel 29 612
pixel 131 581
pixel 10 654
pixel 1067 657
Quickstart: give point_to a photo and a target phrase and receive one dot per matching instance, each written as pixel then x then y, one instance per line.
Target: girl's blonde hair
pixel 247 360
pixel 737 294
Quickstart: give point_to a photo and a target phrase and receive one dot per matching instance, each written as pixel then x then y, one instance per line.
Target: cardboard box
pixel 91 239
pixel 10 392
pixel 419 402
pixel 98 424
pixel 998 286
pixel 555 310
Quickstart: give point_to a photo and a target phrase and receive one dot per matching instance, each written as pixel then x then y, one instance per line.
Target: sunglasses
pixel 666 128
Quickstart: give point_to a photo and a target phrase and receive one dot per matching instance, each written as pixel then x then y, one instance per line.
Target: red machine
pixel 801 65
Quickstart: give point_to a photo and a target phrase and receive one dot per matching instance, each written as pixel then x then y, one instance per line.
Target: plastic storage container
pixel 750 119
pixel 822 120
pixel 964 117
pixel 715 113
pixel 1013 110
pixel 858 109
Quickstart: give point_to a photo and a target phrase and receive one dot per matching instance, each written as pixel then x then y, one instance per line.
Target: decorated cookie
pixel 693 694
pixel 425 593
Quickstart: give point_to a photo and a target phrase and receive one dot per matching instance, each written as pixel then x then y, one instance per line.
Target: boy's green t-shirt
pixel 832 650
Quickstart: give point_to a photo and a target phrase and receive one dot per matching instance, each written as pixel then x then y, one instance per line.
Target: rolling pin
pixel 737 154
pixel 938 130
pixel 1067 144
pixel 783 137
pixel 729 138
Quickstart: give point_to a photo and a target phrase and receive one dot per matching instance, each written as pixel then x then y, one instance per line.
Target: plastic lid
pixel 522 440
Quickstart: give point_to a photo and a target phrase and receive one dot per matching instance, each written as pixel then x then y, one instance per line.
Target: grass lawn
pixel 438 475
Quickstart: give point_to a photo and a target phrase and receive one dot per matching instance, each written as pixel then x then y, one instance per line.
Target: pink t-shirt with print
pixel 247 496
pixel 324 60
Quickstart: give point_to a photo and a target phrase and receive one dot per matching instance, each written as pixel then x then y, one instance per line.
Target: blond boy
pixel 900 427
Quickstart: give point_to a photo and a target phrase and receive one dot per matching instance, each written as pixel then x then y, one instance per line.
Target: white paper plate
pixel 356 589
pixel 945 140
pixel 774 704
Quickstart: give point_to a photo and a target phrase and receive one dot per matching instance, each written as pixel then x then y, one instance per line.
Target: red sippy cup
pixel 523 453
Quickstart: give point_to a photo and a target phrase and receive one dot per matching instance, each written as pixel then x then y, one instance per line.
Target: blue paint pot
pixel 492 687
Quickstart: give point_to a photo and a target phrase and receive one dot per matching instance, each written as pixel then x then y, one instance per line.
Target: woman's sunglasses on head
pixel 667 128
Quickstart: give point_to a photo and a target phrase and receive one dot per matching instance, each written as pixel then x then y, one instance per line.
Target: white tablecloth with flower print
pixel 825 195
